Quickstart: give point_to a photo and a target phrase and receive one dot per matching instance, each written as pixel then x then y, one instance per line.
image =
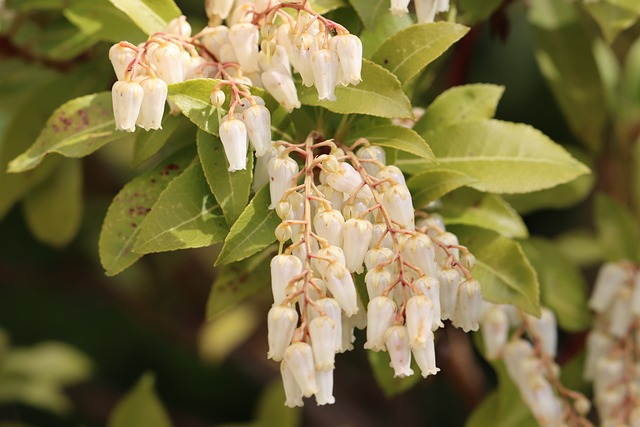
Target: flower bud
pixel 281 324
pixel 283 269
pixel 332 195
pixel 345 179
pixel 381 236
pixel 127 99
pixel 179 26
pixel 282 170
pixel 214 38
pixel 233 134
pixel 397 201
pixel 340 284
pixel 282 88
pixel 397 343
pixel 377 280
pixel 418 250
pixel 381 312
pixel 380 256
pixel 277 60
pixel 329 225
pixel 120 57
pixel 372 152
pixel 167 61
pixel 244 40
pixel 333 253
pixel 357 235
pixel 299 358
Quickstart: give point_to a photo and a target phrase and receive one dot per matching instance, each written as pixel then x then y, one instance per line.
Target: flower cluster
pixel 613 346
pixel 426 10
pixel 258 45
pixel 531 366
pixel 352 214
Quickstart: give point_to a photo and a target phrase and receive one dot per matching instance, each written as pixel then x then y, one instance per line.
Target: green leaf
pixel 383 373
pixel 271 410
pixel 562 287
pixel 76 129
pixel 253 231
pixel 611 19
pixel 231 189
pixel 182 217
pixel 378 94
pixel 631 5
pixel 101 19
pixel 53 210
pixel 238 281
pixel 398 137
pixel 407 52
pixel 432 184
pixel 370 11
pixel 149 143
pixel 386 26
pixel 193 99
pixel 475 11
pixel 130 207
pixel 581 247
pixel 565 57
pixel 458 104
pixel 324 6
pixel 150 15
pixel 470 207
pixel 504 272
pixel 502 157
pixel 618 232
pixel 140 407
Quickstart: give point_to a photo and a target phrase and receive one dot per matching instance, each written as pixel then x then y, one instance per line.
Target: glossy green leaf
pixel 611 19
pixel 631 5
pixel 475 11
pixel 503 157
pixel 53 210
pixel 271 411
pixel 150 15
pixel 383 373
pixel 458 104
pixel 386 25
pixel 503 270
pixel 324 6
pixel 432 184
pixel 253 231
pixel 370 11
pixel 562 287
pixel 407 52
pixel 222 335
pixel 101 19
pixel 149 143
pixel 193 99
pixel 580 246
pixel 237 281
pixel 231 189
pixel 182 217
pixel 565 57
pixel 398 137
pixel 76 129
pixel 378 94
pixel 130 207
pixel 618 232
pixel 140 407
pixel 470 207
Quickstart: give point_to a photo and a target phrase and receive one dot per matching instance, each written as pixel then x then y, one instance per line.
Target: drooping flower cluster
pixel 258 45
pixel 613 346
pixel 355 216
pixel 531 366
pixel 426 10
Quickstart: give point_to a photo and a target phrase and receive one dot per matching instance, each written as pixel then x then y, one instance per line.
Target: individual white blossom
pixel 127 99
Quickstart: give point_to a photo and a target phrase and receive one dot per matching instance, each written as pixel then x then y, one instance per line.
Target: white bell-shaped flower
pixel 544 404
pixel 621 315
pixel 332 195
pixel 282 170
pixel 357 235
pixel 347 336
pixel 323 331
pixel 282 88
pixel 292 391
pixel 372 152
pixel 546 328
pixel 379 256
pixel 449 280
pixel 393 175
pixel 324 395
pixel 344 179
pixel 324 64
pixel 244 40
pixel 281 324
pixel 340 284
pixel 152 107
pixel 299 358
pixel 430 288
pixel 278 60
pixel 443 5
pixel 349 50
pixel 451 240
pixel 219 8
pixel 381 313
pixel 419 320
pixel 167 61
pixel 598 346
pixel 399 7
pixel 381 236
pixel 468 306
pixel 635 296
pixel 258 121
pixel 233 134
pixel 261 172
pixel 127 99
pixel 377 280
pixel 425 356
pixel 329 225
pixel 397 201
pixel 611 278
pixel 609 373
pixel 332 309
pixel 419 251
pixel 426 10
pixel 495 331
pixel 397 343
pixel 302 49
pixel 120 57
pixel 283 269
pixel 514 353
pixel 179 27
pixel 214 38
pixel 326 256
